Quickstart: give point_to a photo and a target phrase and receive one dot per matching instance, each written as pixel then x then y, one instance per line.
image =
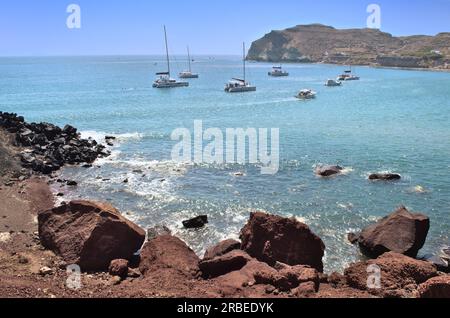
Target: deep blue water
pixel 391 120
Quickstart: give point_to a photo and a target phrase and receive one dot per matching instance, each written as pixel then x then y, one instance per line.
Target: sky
pixel 135 27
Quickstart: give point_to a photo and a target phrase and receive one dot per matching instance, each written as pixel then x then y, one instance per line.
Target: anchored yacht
pixel 188 73
pixel 333 83
pixel 348 76
pixel 238 85
pixel 164 80
pixel 277 71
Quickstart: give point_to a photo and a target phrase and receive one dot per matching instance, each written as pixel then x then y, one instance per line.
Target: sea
pixel 389 121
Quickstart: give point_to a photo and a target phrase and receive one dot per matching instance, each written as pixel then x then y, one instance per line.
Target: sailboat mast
pixel 189 58
pixel 167 51
pixel 243 55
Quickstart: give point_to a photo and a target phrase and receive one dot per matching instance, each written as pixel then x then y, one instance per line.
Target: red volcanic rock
pixel 396 272
pixel 272 238
pixel 401 232
pixel 437 287
pixel 89 234
pixel 224 264
pixel 119 267
pixel 297 275
pixel 168 252
pixel 222 248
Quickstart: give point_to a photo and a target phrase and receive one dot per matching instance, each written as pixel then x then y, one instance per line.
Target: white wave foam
pixel 99 136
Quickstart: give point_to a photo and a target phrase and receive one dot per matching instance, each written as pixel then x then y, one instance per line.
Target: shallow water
pixel 391 120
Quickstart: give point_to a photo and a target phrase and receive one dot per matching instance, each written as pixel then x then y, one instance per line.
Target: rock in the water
pixel 328 171
pixel 119 267
pixel 401 232
pixel 158 230
pixel 224 264
pixel 353 238
pixel 222 248
pixel 385 176
pixel 89 234
pixel 272 238
pixel 437 287
pixel 196 223
pixel 167 251
pixel 396 272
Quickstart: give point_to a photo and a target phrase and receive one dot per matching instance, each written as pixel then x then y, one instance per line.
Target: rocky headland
pixel 41 244
pixel 318 43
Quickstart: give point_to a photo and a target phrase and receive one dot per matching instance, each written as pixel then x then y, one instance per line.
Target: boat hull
pixel 278 74
pixel 170 85
pixel 188 76
pixel 240 89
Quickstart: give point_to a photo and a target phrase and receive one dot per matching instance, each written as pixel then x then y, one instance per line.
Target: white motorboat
pixel 164 80
pixel 238 85
pixel 348 76
pixel 188 73
pixel 333 83
pixel 306 94
pixel 277 71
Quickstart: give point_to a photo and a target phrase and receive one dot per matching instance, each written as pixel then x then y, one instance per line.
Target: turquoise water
pixel 391 120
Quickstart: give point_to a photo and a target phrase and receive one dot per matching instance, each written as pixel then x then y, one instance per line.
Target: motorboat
pixel 348 76
pixel 333 83
pixel 277 71
pixel 306 94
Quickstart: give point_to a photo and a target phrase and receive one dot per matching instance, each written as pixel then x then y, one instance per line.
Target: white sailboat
pixel 188 73
pixel 238 85
pixel 164 80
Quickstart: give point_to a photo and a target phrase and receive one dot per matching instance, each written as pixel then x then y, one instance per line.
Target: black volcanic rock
pixel 48 146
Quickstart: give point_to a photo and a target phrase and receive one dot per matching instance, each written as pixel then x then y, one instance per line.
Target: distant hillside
pixel 318 43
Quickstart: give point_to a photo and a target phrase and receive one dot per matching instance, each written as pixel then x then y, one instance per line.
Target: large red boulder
pixel 89 234
pixel 401 232
pixel 222 248
pixel 395 272
pixel 224 264
pixel 271 238
pixel 437 287
pixel 168 252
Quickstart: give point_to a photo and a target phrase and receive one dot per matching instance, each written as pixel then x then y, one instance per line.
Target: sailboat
pixel 238 85
pixel 188 73
pixel 164 80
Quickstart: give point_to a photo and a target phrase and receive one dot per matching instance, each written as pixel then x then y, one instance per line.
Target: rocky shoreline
pixel 275 257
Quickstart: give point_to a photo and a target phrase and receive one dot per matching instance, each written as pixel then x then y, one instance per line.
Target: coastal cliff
pixel 318 43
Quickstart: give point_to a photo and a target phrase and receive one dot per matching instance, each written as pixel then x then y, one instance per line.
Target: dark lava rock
pixel 385 176
pixel 401 232
pixel 196 223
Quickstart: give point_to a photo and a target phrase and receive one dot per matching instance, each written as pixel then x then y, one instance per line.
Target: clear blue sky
pixel 38 27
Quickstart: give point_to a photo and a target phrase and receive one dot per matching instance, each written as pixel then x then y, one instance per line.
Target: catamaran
pixel 277 71
pixel 238 85
pixel 164 80
pixel 188 73
pixel 348 76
